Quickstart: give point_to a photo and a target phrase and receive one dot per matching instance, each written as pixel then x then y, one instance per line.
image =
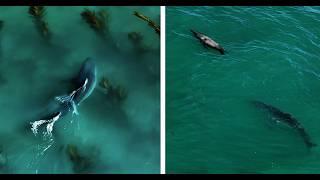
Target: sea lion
pixel 207 41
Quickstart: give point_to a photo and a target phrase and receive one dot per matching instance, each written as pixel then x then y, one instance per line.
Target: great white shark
pixel 286 118
pixel 85 82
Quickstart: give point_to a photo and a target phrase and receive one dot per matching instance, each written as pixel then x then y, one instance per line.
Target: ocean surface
pixel 273 56
pixel 110 134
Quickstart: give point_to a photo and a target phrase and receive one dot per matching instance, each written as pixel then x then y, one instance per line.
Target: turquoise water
pixel 272 55
pixel 108 136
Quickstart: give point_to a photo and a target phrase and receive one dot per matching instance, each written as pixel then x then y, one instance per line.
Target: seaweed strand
pixel 117 93
pixel 150 22
pixel 38 14
pixel 97 21
pixel 1 24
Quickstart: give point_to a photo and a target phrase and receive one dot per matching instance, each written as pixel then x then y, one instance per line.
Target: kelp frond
pixel 150 22
pixel 38 14
pixel 37 11
pixel 97 21
pixel 116 93
pixel 135 37
pixel 81 164
pixel 1 24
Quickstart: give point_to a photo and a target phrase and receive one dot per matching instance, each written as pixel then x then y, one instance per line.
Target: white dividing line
pixel 163 91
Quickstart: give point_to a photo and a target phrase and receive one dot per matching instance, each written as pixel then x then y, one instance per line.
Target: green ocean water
pixel 108 136
pixel 272 55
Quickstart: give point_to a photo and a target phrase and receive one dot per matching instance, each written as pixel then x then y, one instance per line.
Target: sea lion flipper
pixel 204 45
pixel 221 50
pixel 75 109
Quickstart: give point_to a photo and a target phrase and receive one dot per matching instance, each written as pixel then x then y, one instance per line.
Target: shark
pixel 84 82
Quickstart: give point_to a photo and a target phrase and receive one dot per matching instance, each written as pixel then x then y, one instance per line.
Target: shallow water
pixel 112 137
pixel 272 55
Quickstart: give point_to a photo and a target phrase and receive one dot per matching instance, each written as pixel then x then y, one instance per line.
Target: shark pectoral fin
pixel 74 108
pixel 63 98
pixel 66 98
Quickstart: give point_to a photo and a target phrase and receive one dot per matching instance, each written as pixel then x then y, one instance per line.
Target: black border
pixel 80 2
pixel 162 2
pixel 240 2
pixel 155 176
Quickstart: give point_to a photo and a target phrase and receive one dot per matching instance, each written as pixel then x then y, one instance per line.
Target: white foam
pixel 50 123
pixel 35 126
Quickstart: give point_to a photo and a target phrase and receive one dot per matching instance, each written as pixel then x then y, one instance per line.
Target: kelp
pixel 135 37
pixel 117 93
pixel 139 47
pixel 81 163
pixel 3 158
pixel 121 93
pixel 1 27
pixel 151 23
pixel 137 41
pixel 97 21
pixel 1 24
pixel 38 16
